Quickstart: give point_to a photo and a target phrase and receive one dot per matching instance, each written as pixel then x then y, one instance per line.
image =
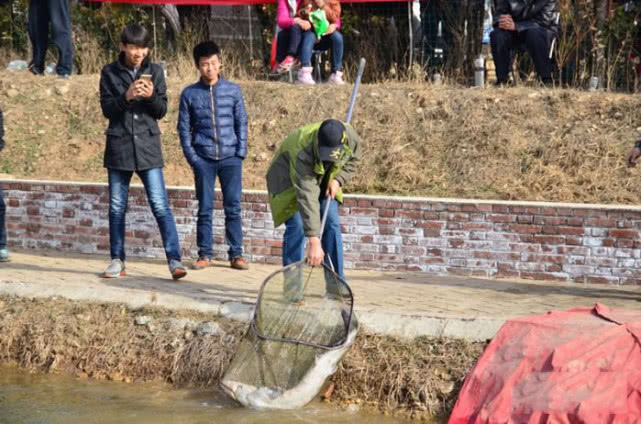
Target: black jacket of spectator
pixel 1 131
pixel 543 12
pixel 133 136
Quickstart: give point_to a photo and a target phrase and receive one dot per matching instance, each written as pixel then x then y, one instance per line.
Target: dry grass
pixel 101 341
pixel 419 139
pixel 418 378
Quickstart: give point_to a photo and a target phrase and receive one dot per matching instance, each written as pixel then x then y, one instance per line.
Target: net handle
pixel 348 119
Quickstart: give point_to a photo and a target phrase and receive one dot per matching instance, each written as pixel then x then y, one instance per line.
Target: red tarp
pixel 577 366
pixel 225 2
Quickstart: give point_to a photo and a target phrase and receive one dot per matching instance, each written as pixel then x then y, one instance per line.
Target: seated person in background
pixel 291 27
pixel 531 24
pixel 331 38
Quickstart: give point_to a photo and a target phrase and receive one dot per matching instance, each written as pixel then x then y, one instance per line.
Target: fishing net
pixel 302 326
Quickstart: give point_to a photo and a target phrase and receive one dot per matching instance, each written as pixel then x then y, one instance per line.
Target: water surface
pixel 27 398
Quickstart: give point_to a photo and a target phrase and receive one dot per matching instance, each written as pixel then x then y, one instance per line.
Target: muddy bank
pixel 418 378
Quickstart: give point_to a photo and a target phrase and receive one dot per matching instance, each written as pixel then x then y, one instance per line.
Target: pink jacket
pixel 285 16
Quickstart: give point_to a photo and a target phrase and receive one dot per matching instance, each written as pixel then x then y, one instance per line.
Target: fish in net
pixel 302 326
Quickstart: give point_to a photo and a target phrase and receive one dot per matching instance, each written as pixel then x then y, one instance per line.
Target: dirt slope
pixel 422 140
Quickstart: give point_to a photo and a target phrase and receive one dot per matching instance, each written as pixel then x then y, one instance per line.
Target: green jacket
pixel 295 175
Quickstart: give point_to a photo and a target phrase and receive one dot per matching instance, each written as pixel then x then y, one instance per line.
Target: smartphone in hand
pixel 146 77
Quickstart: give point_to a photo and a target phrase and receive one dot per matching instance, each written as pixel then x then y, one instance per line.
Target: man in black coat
pixel 524 24
pixel 133 96
pixel 4 253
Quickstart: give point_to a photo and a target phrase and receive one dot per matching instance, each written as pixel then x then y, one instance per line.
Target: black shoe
pixel 503 83
pixel 547 82
pixel 35 70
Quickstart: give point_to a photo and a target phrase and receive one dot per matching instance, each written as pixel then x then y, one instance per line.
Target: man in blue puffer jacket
pixel 212 124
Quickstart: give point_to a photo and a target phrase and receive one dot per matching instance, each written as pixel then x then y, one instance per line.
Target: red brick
pixel 631 234
pixel 549 239
pixel 553 268
pixel 430 215
pixel 575 222
pixel 601 280
pixel 471 226
pixel 549 211
pixel 141 234
pixel 574 241
pixel 32 211
pixel 541 276
pixel 458 271
pixel 608 242
pixel 601 222
pixel 500 209
pixel 573 231
pixel 522 228
pixel 386 213
pixel 556 259
pixel 367 239
pixel 456 243
pixel 14 203
pixel 416 214
pixel 500 218
pixel 364 203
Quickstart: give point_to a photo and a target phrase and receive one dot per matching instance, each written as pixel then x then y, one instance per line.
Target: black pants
pixel 3 225
pixel 43 13
pixel 536 41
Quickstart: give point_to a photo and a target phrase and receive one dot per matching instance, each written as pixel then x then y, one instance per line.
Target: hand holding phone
pixel 146 88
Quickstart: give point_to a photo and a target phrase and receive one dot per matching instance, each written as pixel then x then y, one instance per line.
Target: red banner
pixel 225 2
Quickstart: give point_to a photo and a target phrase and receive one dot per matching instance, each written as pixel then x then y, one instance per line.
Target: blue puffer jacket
pixel 216 135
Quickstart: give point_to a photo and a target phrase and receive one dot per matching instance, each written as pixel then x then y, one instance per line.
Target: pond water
pixel 27 398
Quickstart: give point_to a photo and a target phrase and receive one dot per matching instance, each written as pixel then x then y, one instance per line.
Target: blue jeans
pixel 154 184
pixel 3 226
pixel 41 14
pixel 332 241
pixel 334 40
pixel 230 173
pixel 287 42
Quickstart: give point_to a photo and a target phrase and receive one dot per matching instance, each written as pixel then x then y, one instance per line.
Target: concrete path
pixel 401 304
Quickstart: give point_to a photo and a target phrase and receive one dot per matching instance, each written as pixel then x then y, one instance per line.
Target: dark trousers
pixel 287 42
pixel 230 173
pixel 3 225
pixel 536 41
pixel 43 13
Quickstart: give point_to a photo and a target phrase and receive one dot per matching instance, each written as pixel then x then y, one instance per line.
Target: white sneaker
pixel 336 78
pixel 305 76
pixel 115 269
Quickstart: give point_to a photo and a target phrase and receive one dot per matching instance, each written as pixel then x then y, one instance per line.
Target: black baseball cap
pixel 330 138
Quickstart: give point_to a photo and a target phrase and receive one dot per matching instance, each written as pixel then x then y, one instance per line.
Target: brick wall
pixel 585 243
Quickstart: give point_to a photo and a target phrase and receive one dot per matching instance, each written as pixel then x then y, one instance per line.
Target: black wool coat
pixel 133 136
